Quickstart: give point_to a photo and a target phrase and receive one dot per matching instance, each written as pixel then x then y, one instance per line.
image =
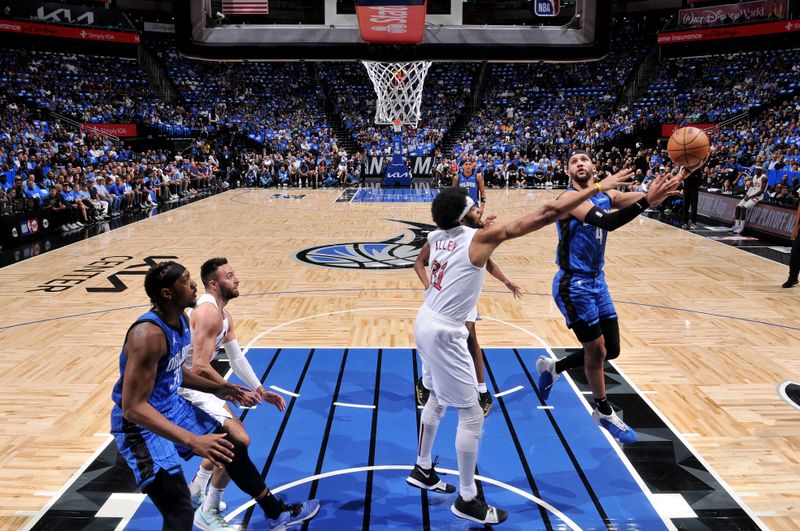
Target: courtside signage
pixel 68 32
pixel 709 34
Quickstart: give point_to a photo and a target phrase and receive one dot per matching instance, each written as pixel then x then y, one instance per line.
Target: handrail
pixel 89 128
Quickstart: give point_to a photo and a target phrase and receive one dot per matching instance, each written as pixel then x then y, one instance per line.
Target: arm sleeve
pixel 614 220
pixel 240 364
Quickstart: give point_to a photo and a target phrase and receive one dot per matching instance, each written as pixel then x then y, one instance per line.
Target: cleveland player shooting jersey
pixel 169 375
pixel 455 283
pixel 470 183
pixel 581 247
pixel 208 298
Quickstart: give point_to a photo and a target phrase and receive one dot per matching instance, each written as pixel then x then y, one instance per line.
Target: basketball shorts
pixel 750 203
pixel 583 298
pixel 146 453
pixel 447 365
pixel 473 315
pixel 209 403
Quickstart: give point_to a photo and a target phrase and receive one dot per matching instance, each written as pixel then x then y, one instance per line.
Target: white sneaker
pixel 211 520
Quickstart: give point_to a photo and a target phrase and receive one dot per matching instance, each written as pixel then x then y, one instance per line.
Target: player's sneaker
pixel 478 510
pixel 211 521
pixel 422 393
pixel 789 283
pixel 426 478
pixel 614 425
pixel 546 367
pixel 295 514
pixel 485 400
pixel 200 498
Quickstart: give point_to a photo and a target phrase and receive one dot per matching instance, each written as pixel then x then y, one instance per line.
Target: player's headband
pixel 470 204
pixel 579 152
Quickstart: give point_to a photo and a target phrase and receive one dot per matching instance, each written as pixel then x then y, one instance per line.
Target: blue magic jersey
pixel 169 375
pixel 470 183
pixel 581 247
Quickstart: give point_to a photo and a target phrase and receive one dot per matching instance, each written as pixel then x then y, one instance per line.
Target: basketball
pixel 688 147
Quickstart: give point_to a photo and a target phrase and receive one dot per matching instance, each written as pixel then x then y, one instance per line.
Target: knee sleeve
pixel 433 412
pixel 611 336
pixel 242 470
pixel 470 428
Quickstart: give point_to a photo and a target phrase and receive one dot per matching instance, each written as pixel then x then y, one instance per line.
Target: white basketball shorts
pixel 446 361
pixel 209 403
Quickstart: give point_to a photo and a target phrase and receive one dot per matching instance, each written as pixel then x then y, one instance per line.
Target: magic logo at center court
pixel 399 252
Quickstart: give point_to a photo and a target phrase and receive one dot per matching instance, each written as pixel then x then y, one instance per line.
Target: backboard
pixel 455 30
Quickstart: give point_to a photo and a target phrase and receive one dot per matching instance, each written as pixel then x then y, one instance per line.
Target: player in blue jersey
pixel 153 426
pixel 472 181
pixel 579 287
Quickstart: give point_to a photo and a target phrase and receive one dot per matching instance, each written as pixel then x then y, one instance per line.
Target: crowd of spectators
pixel 85 88
pixel 529 117
pixel 82 179
pixel 532 114
pixel 710 89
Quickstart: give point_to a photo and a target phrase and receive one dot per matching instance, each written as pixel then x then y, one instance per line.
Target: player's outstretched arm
pixel 654 196
pixel 544 215
pixel 662 187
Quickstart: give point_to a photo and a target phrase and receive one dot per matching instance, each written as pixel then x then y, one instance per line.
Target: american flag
pixel 245 7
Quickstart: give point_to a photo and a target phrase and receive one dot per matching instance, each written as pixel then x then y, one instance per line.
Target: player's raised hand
pixel 686 171
pixel 619 179
pixel 661 187
pixel 213 447
pixel 274 399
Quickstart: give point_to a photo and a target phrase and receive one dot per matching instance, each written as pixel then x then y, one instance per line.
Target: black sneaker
pixel 477 510
pixel 422 393
pixel 485 400
pixel 426 478
pixel 789 283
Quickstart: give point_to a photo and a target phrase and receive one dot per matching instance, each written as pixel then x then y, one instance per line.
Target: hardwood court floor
pixel 707 332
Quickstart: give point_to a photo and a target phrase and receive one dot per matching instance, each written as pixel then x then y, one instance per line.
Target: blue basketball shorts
pixel 583 298
pixel 146 453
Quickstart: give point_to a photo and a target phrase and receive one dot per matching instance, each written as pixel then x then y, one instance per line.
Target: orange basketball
pixel 688 147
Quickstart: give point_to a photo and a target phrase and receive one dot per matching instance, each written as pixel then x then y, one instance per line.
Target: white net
pixel 399 90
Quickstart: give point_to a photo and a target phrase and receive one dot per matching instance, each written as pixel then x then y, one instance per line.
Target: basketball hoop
pixel 399 90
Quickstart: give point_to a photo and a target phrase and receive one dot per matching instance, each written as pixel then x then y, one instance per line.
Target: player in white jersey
pixel 422 385
pixel 212 328
pixel 458 256
pixel 751 198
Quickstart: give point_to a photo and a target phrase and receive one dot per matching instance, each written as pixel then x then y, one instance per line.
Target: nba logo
pixel 545 8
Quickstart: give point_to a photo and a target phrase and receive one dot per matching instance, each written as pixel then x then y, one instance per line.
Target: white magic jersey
pixel 208 298
pixel 455 283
